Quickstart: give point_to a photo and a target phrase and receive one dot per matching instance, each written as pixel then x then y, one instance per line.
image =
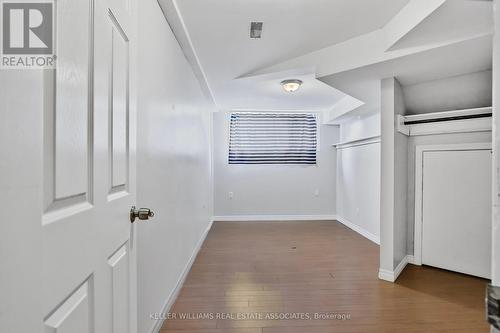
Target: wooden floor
pixel 293 269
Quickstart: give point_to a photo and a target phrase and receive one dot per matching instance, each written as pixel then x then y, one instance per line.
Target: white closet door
pixel 456 211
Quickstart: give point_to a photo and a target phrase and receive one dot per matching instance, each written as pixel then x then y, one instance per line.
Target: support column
pixel 394 177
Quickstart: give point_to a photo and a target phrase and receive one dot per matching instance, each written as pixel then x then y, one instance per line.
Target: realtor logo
pixel 27 34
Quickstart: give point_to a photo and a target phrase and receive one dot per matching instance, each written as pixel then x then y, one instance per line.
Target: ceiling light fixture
pixel 291 85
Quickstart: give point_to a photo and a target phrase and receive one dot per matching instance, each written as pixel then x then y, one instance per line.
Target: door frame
pixel 419 179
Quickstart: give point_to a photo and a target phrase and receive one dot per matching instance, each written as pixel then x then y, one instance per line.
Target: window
pixel 272 138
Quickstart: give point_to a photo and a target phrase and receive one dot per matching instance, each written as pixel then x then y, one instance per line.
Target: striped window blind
pixel 272 138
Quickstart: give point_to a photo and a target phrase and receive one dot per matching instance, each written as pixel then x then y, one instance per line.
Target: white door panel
pixel 74 315
pixel 67 110
pixel 70 90
pixel 119 264
pixel 119 106
pixel 456 210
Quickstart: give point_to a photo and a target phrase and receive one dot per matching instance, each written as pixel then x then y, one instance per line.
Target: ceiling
pixel 219 29
pixel 311 39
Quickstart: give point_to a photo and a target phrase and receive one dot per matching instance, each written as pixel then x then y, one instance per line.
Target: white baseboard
pixel 257 218
pixel 412 260
pixel 386 275
pixel 392 276
pixel 178 286
pixel 359 230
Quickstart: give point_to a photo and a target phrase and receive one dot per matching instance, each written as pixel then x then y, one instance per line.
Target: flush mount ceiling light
pixel 291 85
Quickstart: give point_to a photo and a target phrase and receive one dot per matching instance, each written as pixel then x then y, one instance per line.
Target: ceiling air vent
pixel 256 29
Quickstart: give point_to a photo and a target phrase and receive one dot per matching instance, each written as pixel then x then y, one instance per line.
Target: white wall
pixel 360 127
pixel 467 91
pixel 174 163
pixel 358 176
pixel 273 189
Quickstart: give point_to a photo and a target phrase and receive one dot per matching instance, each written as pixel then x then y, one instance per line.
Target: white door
pixel 69 263
pixel 456 211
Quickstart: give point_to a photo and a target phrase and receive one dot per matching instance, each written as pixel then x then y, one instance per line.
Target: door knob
pixel 141 214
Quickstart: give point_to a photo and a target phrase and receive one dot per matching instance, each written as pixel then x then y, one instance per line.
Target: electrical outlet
pixel 231 195
pixel 316 193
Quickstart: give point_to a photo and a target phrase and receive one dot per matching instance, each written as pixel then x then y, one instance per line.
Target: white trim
pixel 400 125
pixel 411 260
pixel 386 275
pixel 419 153
pixel 445 127
pixel 273 218
pixel 399 268
pixel 357 142
pixel 392 276
pixel 178 286
pixel 363 232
